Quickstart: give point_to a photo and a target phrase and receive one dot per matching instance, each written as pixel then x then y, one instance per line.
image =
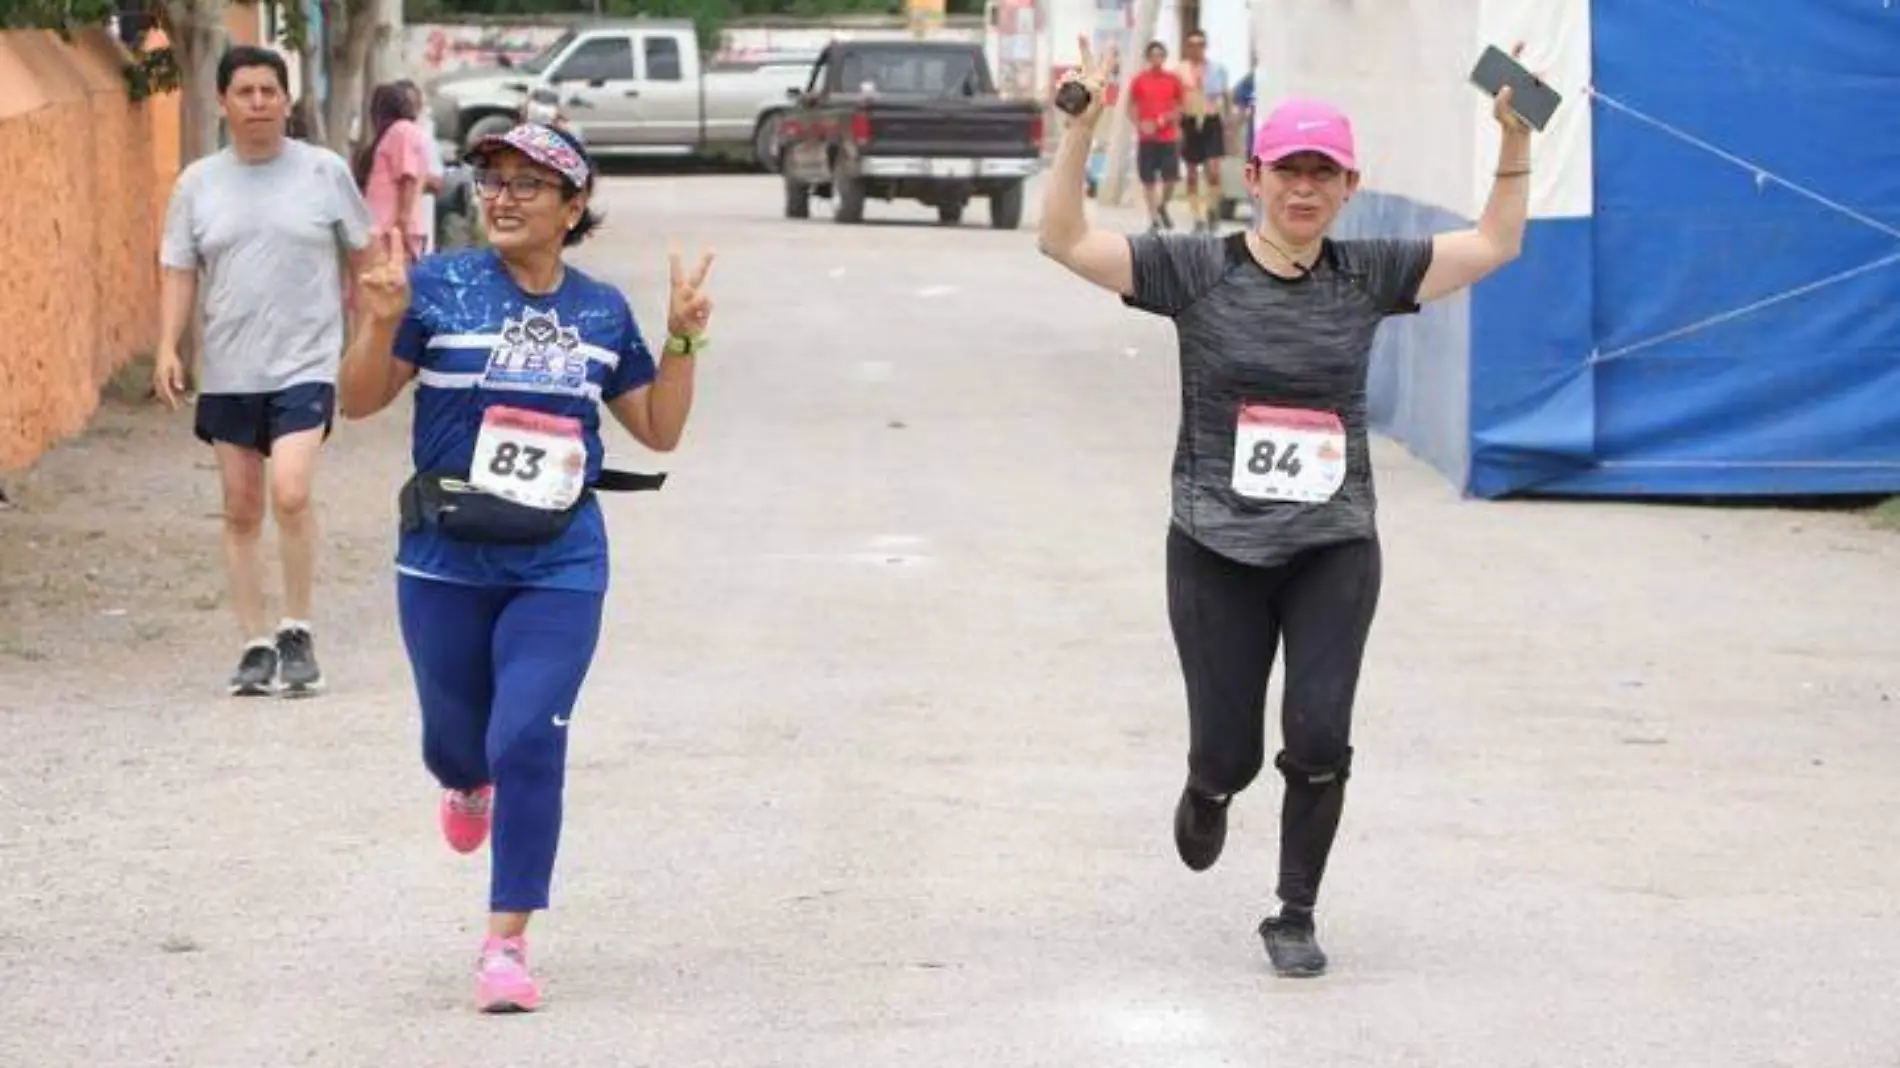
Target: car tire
pixel 1006 208
pixel 765 141
pixel 486 126
pixel 850 193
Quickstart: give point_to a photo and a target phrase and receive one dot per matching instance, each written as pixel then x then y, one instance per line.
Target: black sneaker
pixel 256 673
pixel 1200 828
pixel 1167 221
pixel 300 675
pixel 1291 947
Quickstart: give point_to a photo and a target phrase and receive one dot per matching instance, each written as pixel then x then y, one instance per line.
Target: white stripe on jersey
pixel 483 343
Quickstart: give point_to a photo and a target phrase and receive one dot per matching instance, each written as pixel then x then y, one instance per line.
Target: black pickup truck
pixel 907 120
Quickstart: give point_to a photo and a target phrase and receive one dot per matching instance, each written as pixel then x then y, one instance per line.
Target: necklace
pixel 1295 261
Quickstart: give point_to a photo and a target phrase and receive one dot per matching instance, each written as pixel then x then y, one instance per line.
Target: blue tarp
pixel 1726 321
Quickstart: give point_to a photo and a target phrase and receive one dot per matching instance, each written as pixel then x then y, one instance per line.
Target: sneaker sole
pixel 458 850
pixel 251 689
pixel 507 1008
pixel 1306 971
pixel 300 689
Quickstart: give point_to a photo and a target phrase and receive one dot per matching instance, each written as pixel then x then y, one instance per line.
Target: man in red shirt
pixel 1155 97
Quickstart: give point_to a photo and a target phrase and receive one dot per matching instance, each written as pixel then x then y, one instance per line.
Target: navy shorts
pixel 255 420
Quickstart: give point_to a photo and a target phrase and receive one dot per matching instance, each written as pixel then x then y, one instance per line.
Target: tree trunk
pixel 349 29
pixel 196 30
pixel 309 66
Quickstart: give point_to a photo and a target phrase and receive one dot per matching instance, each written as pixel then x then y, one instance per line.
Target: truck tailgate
pixel 952 129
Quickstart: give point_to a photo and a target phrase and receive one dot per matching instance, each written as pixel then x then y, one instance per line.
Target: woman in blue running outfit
pixel 502 563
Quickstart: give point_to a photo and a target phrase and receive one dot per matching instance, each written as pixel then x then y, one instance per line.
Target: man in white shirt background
pixel 1203 128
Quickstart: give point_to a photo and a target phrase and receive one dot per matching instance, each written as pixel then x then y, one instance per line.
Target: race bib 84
pixel 1288 454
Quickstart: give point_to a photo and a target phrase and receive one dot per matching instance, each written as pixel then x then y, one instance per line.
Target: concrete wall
pixel 78 231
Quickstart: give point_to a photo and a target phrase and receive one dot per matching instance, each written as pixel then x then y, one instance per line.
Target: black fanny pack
pixel 449 504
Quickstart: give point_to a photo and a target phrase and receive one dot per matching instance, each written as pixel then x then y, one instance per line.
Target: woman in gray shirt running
pixel 1272 539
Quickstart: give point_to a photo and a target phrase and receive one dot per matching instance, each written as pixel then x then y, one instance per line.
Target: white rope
pixel 1762 174
pixel 1746 309
pixel 1738 465
pixel 1762 177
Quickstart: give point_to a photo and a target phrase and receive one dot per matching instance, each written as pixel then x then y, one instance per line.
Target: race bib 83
pixel 531 458
pixel 1288 454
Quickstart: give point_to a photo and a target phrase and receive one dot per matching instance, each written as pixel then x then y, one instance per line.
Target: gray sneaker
pixel 256 673
pixel 1291 946
pixel 298 672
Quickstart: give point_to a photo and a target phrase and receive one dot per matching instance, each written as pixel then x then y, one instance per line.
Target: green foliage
pixel 60 16
pixel 152 73
pixel 1887 515
pixel 148 72
pixel 296 27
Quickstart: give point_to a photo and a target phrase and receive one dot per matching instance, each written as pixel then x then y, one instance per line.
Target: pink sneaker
pixel 502 982
pixel 465 817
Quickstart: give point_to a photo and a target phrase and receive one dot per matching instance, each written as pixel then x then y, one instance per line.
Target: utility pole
pixel 1114 181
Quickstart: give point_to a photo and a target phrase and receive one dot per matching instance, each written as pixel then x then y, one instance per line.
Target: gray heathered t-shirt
pixel 1273 374
pixel 269 242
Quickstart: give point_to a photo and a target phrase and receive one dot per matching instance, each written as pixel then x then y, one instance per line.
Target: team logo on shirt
pixel 537 352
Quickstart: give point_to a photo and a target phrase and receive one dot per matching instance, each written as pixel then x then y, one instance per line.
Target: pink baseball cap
pixel 1301 125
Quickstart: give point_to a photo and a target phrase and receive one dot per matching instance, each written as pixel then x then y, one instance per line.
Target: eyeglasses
pixel 520 187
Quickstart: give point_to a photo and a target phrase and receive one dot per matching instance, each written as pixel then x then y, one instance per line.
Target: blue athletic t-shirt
pixel 477 340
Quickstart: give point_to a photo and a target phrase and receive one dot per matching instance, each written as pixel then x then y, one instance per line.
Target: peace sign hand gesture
pixel 383 290
pixel 688 308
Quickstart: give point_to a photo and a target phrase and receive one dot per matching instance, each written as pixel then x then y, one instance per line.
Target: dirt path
pixel 877 764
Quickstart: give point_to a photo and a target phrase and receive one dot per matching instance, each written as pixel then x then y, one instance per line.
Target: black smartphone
pixel 1533 101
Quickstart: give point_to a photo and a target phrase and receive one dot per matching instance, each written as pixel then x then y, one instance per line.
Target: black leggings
pixel 1228 620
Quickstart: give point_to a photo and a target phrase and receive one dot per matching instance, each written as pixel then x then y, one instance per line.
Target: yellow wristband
pixel 685 344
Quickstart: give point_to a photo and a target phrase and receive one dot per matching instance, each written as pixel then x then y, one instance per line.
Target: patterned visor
pixel 540 144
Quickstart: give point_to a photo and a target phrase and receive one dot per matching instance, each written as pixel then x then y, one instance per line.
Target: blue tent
pixel 1709 298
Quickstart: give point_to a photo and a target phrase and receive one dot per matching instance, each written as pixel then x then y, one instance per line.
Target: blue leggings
pixel 497 672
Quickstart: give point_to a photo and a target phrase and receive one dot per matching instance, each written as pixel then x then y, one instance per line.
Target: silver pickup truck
pixel 632 87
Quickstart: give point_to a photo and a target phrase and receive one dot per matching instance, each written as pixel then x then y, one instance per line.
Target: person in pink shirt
pixel 392 167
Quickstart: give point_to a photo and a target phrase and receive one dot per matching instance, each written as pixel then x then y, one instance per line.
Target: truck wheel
pixel 486 126
pixel 765 141
pixel 950 214
pixel 1006 208
pixel 850 193
pixel 797 200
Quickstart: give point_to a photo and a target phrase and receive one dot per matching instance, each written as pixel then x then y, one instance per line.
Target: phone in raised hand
pixel 1533 100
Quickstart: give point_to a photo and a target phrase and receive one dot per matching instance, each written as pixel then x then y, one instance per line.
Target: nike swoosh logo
pixel 559 722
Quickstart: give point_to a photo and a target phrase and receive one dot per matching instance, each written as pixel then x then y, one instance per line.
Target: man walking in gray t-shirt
pixel 264 230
